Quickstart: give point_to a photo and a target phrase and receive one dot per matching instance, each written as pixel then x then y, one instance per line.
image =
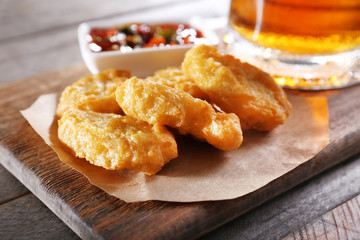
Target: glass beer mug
pixel 304 44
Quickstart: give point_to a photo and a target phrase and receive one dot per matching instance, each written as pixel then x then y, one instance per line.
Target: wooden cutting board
pixel 93 214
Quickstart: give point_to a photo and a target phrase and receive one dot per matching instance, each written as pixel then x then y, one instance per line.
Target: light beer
pixel 299 26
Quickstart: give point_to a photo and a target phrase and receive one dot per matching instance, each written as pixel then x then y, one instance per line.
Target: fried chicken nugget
pixel 174 77
pixel 238 87
pixel 115 142
pixel 159 104
pixel 95 93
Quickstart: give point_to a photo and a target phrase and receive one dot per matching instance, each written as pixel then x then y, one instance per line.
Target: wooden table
pixel 40 36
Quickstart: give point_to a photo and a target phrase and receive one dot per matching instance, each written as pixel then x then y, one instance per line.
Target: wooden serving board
pixel 93 214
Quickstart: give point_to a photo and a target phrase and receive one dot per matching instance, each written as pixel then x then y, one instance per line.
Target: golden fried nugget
pixel 115 142
pixel 95 93
pixel 174 77
pixel 238 87
pixel 159 104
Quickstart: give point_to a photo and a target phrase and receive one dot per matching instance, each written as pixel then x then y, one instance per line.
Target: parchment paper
pixel 202 172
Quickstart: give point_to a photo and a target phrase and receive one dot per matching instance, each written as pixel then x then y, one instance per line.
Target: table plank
pixel 68 193
pixel 343 222
pixel 287 213
pixel 10 187
pixel 27 218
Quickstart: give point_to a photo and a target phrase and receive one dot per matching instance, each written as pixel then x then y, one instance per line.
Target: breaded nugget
pixel 175 77
pixel 115 142
pixel 238 87
pixel 95 93
pixel 159 104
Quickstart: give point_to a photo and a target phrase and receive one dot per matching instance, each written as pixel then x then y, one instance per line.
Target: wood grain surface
pixel 343 222
pixel 10 188
pixel 289 212
pixel 23 211
pixel 92 214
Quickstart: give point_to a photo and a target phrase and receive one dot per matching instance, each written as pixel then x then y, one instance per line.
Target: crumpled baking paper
pixel 201 172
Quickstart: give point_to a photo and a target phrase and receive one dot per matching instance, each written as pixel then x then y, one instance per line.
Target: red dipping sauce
pixel 140 35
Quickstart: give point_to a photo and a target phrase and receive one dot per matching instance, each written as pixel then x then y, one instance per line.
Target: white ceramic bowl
pixel 141 62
